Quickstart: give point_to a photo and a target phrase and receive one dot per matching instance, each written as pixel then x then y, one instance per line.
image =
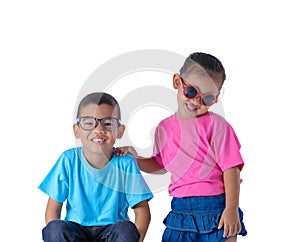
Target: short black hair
pixel 99 98
pixel 208 62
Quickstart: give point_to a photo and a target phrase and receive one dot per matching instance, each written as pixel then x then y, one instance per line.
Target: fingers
pixel 230 223
pixel 120 152
pixel 231 230
pixel 239 228
pixel 221 223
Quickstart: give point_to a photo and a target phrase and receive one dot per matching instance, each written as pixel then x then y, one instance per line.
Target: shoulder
pixel 168 124
pixel 222 129
pixel 72 152
pixel 125 163
pixel 216 117
pixel 168 120
pixel 70 156
pixel 218 121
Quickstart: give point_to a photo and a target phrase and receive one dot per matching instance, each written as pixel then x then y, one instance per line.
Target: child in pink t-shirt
pixel 201 151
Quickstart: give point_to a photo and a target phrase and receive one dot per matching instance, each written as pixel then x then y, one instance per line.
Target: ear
pixel 176 81
pixel 121 130
pixel 76 131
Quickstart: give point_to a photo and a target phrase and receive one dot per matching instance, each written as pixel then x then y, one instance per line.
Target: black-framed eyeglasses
pixel 191 92
pixel 107 123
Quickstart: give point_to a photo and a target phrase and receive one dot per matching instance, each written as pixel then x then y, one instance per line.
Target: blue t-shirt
pixel 95 197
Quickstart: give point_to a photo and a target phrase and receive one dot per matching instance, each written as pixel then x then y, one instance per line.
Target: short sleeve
pixel 55 184
pixel 136 187
pixel 159 142
pixel 227 149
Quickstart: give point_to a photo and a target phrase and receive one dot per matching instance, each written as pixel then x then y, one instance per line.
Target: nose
pixel 98 128
pixel 196 101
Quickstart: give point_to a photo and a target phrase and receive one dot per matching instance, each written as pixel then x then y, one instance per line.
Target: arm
pixel 142 218
pixel 53 210
pixel 148 165
pixel 230 217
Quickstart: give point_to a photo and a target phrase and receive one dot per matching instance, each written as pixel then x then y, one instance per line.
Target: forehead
pixel 98 111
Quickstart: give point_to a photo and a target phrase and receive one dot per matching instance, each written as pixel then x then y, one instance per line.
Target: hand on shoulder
pixel 122 151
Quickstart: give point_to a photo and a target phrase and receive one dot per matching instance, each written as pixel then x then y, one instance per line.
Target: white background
pixel 49 48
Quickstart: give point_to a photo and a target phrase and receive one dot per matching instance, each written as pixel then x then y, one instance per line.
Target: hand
pixel 231 222
pixel 121 151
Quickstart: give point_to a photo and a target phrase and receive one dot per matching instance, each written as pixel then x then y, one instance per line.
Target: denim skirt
pixel 197 219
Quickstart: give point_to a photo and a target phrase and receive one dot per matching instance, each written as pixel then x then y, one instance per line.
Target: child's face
pixel 193 107
pixel 98 141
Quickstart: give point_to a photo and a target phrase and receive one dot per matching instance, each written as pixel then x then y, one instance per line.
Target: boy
pixel 98 185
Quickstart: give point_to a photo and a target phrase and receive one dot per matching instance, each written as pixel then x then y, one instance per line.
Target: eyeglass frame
pixel 98 120
pixel 198 93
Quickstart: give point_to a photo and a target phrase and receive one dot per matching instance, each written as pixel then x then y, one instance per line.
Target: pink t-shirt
pixel 196 152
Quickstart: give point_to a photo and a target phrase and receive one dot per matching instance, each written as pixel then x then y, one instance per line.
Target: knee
pixel 125 226
pixel 124 231
pixel 53 228
pixel 56 225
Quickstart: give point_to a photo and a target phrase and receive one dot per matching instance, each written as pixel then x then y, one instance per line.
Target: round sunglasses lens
pixel 190 92
pixel 208 100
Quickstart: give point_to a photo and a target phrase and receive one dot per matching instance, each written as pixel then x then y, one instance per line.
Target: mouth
pixel 191 108
pixel 99 140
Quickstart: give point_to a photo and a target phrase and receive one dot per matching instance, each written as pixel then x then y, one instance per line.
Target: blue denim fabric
pixel 196 219
pixel 65 231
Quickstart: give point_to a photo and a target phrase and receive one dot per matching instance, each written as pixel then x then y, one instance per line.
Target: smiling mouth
pixel 98 140
pixel 191 108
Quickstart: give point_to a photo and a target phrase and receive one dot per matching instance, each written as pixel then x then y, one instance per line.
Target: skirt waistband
pixel 199 204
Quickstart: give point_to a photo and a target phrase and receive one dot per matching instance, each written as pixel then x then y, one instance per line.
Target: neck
pixel 98 161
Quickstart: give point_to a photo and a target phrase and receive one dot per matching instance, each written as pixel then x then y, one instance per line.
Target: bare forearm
pixel 232 187
pixel 51 216
pixel 142 218
pixel 149 165
pixel 230 217
pixel 53 210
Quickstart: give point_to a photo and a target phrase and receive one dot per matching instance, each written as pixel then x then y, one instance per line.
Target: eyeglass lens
pixel 89 123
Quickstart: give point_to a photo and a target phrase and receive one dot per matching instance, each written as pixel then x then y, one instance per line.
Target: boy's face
pixel 192 107
pixel 98 141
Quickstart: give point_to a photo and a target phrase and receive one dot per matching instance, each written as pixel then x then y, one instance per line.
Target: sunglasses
pixel 191 92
